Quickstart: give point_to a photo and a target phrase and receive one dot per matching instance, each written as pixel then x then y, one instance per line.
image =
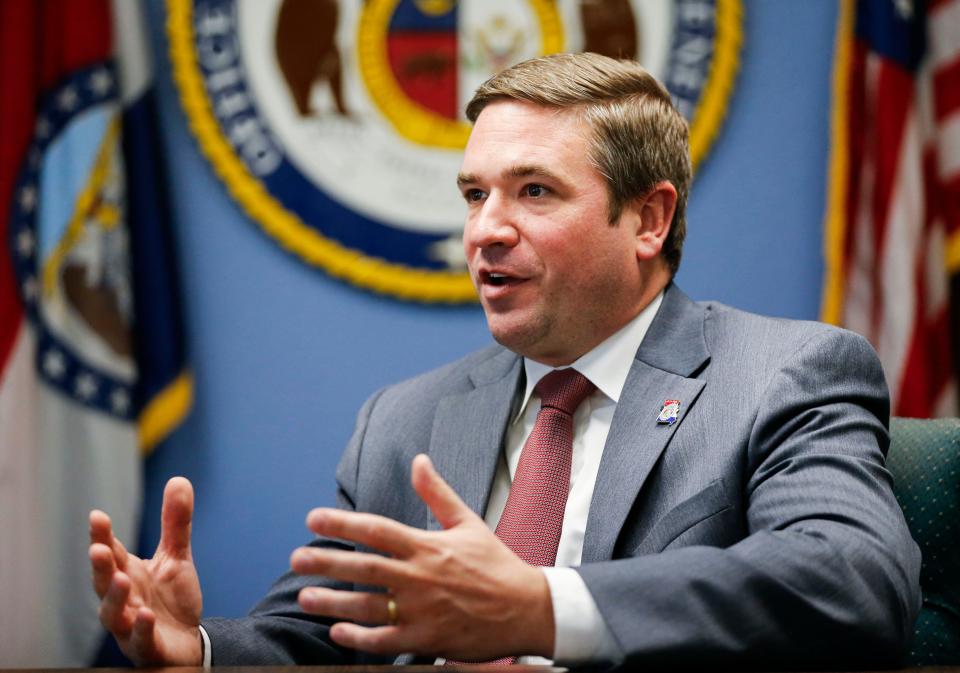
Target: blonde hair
pixel 639 137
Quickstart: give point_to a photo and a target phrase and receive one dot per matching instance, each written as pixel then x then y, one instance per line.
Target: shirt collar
pixel 608 364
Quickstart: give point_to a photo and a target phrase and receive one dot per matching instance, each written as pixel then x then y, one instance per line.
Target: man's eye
pixel 536 191
pixel 473 195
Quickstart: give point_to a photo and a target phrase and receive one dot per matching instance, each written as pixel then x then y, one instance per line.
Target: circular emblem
pixel 338 125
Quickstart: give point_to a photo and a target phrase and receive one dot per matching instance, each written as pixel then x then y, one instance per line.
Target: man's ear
pixel 651 216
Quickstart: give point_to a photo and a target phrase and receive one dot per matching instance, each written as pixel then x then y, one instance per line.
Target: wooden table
pixel 472 668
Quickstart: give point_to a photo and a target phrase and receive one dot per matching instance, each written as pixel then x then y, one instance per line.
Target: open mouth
pixel 497 279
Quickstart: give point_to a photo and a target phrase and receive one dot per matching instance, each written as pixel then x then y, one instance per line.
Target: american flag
pixel 893 214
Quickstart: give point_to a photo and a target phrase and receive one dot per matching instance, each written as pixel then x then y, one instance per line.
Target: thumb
pixel 176 517
pixel 442 500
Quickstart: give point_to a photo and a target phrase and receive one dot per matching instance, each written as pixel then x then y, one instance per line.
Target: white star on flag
pixel 101 81
pixel 29 289
pixel 67 100
pixel 54 365
pixel 119 401
pixel 25 243
pixel 86 387
pixel 28 199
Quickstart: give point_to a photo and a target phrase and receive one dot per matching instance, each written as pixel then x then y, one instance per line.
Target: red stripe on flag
pixel 928 364
pixel 76 34
pixel 928 367
pixel 932 189
pixel 946 90
pixel 893 101
pixel 18 30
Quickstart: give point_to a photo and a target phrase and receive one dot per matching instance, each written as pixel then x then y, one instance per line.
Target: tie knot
pixel 564 389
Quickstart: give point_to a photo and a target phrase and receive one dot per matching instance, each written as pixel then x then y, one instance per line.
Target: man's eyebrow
pixel 531 170
pixel 520 171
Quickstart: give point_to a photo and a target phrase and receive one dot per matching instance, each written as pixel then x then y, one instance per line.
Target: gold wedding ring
pixel 392 613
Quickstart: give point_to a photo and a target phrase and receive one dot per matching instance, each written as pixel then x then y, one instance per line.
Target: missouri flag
pixel 92 366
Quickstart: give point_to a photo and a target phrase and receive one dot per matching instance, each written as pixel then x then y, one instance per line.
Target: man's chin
pixel 521 334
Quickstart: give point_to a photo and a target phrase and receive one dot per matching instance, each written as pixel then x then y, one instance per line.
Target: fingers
pixel 377 639
pixel 176 517
pixel 104 567
pixel 349 566
pixel 143 636
pixel 113 607
pixel 442 500
pixel 101 531
pixel 371 530
pixel 368 608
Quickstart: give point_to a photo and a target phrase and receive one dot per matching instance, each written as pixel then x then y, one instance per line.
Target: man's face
pixel 554 277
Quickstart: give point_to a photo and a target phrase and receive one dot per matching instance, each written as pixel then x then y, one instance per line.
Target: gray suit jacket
pixel 758 531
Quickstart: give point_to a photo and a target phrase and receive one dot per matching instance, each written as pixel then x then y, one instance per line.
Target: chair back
pixel 924 459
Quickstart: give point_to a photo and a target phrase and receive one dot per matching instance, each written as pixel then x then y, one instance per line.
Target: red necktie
pixel 533 516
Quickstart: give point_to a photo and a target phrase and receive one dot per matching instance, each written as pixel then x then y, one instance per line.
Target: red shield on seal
pixel 422 53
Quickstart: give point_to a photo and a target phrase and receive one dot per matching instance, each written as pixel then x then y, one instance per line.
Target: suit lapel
pixel 672 352
pixel 469 429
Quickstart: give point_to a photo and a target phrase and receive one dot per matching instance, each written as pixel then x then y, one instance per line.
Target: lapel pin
pixel 669 412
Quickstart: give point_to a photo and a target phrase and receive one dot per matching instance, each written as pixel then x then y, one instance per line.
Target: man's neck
pixel 570 356
pixel 608 363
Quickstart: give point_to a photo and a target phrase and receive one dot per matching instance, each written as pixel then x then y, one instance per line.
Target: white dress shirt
pixel 581 634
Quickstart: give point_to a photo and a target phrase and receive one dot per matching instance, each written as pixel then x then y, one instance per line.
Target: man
pixel 703 485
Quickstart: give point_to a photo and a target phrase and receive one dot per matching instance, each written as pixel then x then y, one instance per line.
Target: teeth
pixel 498 278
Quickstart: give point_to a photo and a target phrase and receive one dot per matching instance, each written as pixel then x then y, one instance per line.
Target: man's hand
pixel 152 606
pixel 459 593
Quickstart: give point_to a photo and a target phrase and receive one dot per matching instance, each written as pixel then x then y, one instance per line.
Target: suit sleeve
pixel 277 631
pixel 827 574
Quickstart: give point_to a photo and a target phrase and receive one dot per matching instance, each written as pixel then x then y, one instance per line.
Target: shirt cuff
pixel 207 650
pixel 581 634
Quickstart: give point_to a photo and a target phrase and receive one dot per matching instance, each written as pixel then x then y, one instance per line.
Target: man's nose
pixel 492 224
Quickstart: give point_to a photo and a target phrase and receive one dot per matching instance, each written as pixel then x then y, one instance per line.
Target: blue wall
pixel 284 356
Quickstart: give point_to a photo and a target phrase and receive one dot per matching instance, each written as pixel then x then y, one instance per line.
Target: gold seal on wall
pixel 338 125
